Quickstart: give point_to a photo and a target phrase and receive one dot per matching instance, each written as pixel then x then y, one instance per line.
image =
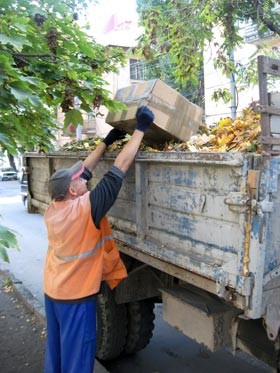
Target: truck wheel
pixel 111 326
pixel 141 317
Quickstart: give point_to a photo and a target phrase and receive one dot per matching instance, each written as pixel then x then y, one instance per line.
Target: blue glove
pixel 113 135
pixel 145 118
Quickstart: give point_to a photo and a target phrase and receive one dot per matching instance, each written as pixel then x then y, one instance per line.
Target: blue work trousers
pixel 71 337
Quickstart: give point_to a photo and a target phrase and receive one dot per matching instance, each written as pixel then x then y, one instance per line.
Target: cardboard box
pixel 176 118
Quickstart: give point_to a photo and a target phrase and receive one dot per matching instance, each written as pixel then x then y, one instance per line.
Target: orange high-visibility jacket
pixel 79 255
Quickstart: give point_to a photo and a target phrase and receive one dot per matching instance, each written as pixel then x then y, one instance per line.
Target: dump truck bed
pixel 213 216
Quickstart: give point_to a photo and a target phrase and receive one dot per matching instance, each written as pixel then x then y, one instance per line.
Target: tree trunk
pixel 12 161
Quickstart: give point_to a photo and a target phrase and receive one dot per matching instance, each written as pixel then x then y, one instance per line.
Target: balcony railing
pixel 252 34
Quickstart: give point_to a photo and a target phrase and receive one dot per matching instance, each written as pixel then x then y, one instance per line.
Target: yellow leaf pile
pixel 90 143
pixel 240 135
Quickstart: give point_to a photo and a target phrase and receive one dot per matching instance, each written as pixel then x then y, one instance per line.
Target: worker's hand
pixel 114 135
pixel 144 117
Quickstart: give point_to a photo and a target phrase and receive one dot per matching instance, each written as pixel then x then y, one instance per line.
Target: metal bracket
pixel 221 283
pixel 244 285
pixel 262 207
pixel 271 275
pixel 237 201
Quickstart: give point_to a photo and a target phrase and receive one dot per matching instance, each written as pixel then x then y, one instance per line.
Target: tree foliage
pixel 8 240
pixel 47 59
pixel 180 30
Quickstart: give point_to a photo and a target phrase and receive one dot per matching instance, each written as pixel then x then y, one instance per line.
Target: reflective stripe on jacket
pixel 79 255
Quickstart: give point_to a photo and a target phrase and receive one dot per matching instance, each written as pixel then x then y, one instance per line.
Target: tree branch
pixel 270 25
pixel 32 55
pixel 267 22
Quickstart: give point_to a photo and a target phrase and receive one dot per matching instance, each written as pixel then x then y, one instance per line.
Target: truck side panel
pixel 189 210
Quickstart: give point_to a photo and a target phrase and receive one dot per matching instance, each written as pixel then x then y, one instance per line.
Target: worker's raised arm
pixel 144 118
pixel 94 157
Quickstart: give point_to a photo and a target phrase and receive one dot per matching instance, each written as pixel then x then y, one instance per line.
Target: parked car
pixel 23 188
pixel 8 173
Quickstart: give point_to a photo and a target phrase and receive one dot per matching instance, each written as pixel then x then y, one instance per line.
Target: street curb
pixel 35 306
pixel 26 297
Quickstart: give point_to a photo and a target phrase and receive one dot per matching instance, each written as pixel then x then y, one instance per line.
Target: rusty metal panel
pixel 197 212
pixel 269 284
pixel 181 216
pixel 172 207
pixel 38 175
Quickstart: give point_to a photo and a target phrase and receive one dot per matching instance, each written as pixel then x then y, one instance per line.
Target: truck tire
pixel 111 326
pixel 140 317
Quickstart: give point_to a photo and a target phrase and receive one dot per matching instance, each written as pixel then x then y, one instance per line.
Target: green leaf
pixel 5 141
pixel 33 81
pixel 7 240
pixel 5 60
pixel 21 85
pixel 35 101
pixel 115 106
pixel 20 26
pixel 73 117
pixel 72 75
pixel 3 138
pixel 3 76
pixel 71 47
pixel 87 49
pixel 8 237
pixel 20 95
pixel 86 108
pixel 17 42
pixel 3 254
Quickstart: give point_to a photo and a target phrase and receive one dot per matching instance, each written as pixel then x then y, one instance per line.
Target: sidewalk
pixel 22 329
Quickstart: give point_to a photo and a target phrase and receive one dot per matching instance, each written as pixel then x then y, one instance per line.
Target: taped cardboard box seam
pixel 176 118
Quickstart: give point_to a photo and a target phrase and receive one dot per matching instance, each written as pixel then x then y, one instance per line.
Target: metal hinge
pixel 261 207
pixel 244 284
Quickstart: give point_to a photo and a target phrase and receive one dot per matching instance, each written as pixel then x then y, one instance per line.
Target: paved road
pixel 169 350
pixel 27 264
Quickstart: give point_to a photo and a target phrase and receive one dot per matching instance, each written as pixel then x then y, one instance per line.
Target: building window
pixel 137 69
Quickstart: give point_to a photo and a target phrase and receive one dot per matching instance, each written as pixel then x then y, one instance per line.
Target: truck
pixel 198 232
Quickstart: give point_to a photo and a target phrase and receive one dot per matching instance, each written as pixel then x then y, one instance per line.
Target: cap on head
pixel 60 181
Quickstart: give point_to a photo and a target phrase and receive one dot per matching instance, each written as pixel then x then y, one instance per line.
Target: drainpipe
pixel 79 127
pixel 233 106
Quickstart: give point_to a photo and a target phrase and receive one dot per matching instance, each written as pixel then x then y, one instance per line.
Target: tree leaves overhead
pixel 180 30
pixel 47 59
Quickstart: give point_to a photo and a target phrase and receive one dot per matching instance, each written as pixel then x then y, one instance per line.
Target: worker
pixel 81 251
